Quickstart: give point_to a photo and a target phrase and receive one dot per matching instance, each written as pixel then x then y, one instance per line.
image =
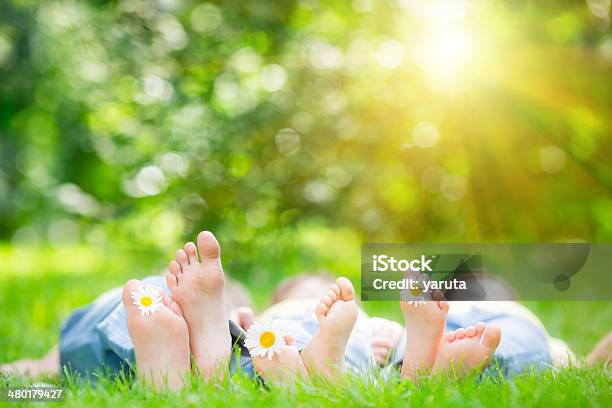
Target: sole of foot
pixel 425 329
pixel 197 283
pixel 284 368
pixel 337 313
pixel 468 350
pixel 161 341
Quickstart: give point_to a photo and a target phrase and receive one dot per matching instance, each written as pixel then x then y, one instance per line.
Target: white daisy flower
pixel 264 338
pixel 148 299
pixel 416 294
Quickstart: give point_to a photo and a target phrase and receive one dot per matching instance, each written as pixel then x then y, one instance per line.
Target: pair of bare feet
pixel 428 350
pixel 191 322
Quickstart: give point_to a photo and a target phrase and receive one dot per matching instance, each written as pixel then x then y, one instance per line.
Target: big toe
pixel 208 246
pixel 347 292
pixel 129 287
pixel 491 337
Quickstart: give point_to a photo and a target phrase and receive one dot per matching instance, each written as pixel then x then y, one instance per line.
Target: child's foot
pixel 197 284
pixel 386 335
pixel 337 314
pixel 243 316
pixel 161 341
pixel 424 328
pixel 466 350
pixel 284 368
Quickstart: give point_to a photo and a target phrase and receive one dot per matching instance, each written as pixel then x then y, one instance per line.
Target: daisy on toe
pixel 148 299
pixel 416 295
pixel 263 338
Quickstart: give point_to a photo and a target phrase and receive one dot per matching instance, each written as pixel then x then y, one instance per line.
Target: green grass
pixel 569 387
pixel 38 290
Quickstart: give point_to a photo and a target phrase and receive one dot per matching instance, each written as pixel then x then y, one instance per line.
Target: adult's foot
pixel 161 341
pixel 424 331
pixel 284 368
pixel 49 365
pixel 467 350
pixel 197 284
pixel 337 314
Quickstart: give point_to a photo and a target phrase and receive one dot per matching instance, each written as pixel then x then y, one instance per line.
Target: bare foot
pixel 602 353
pixel 425 328
pixel 161 341
pixel 197 284
pixel 385 338
pixel 284 367
pixel 469 349
pixel 31 368
pixel 337 314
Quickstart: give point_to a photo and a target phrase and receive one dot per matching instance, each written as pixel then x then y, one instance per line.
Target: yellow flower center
pixel 146 301
pixel 267 339
pixel 416 291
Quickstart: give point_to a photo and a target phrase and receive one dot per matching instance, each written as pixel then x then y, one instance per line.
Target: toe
pixel 171 281
pixel 460 333
pixel 208 246
pixel 491 337
pixel 176 308
pixel 335 288
pixel 332 295
pixel 167 301
pixel 442 304
pixel 320 311
pixel 192 253
pixel 437 295
pixel 181 258
pixel 246 317
pixel 470 331
pixel 175 268
pixel 347 292
pixel 128 302
pixel 450 336
pixel 326 300
pixel 480 328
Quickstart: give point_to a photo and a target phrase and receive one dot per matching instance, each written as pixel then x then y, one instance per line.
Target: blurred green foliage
pixel 301 126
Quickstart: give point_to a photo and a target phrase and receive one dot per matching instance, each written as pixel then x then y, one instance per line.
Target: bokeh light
pixel 138 123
